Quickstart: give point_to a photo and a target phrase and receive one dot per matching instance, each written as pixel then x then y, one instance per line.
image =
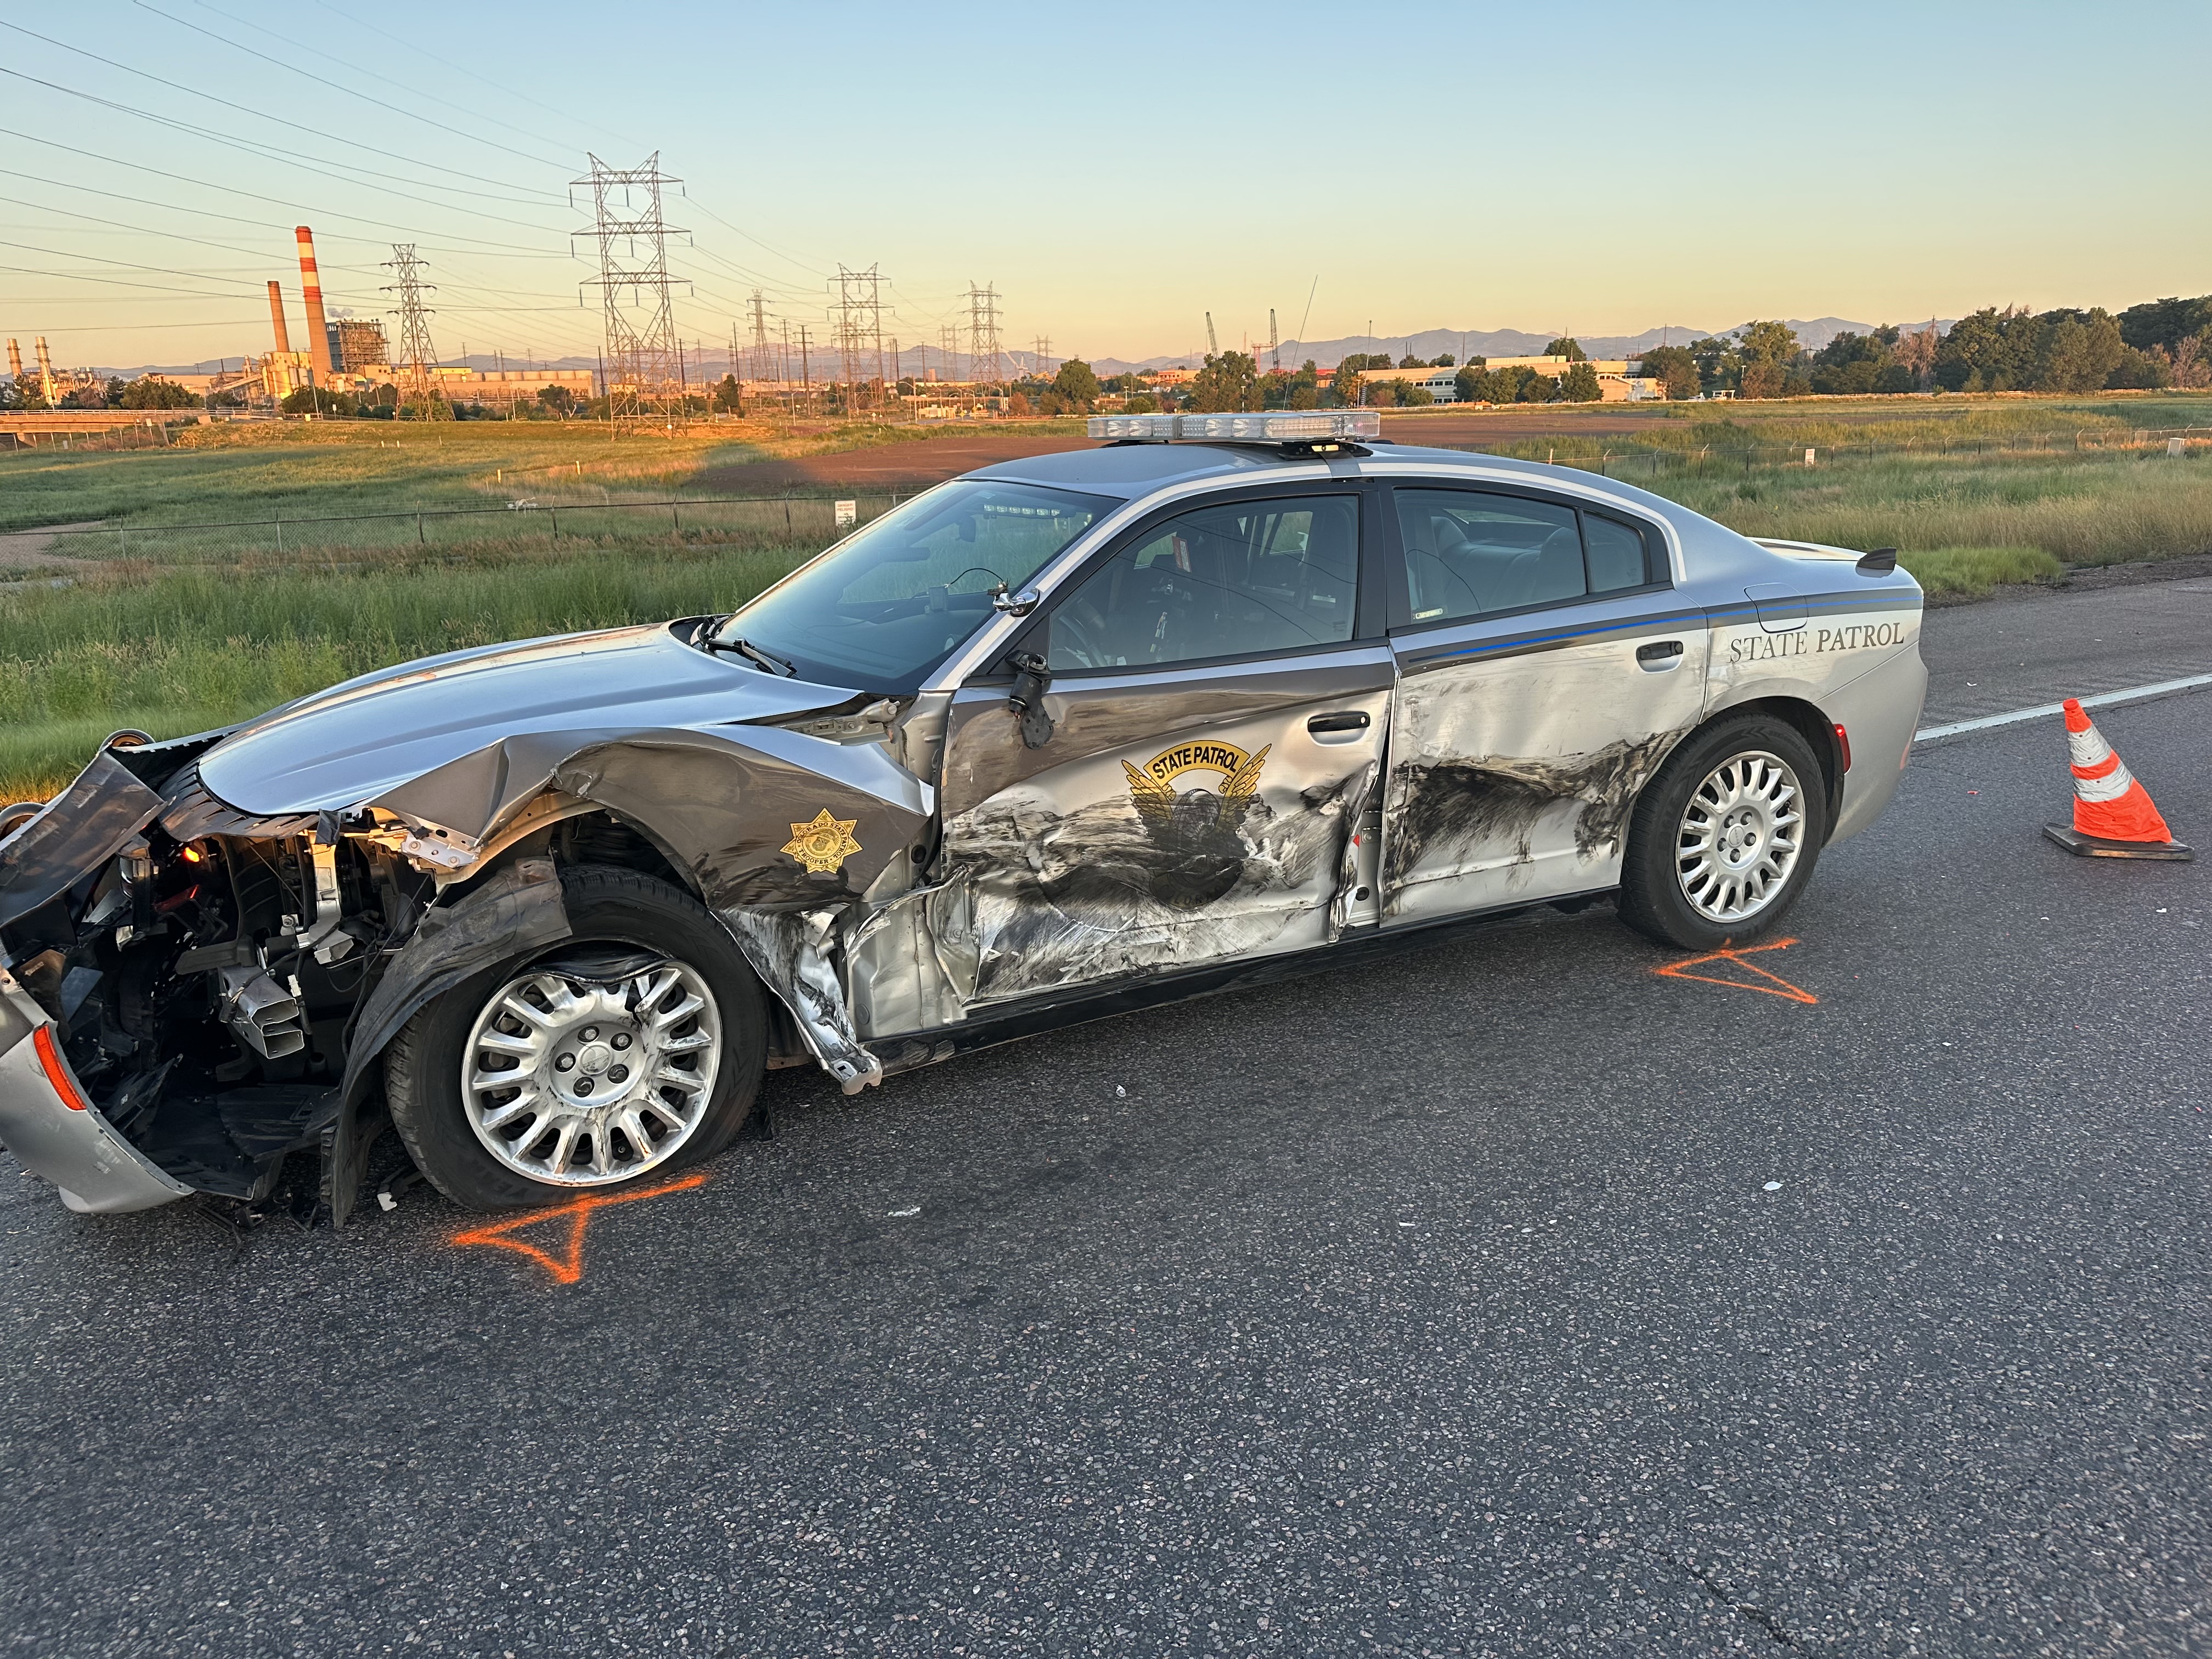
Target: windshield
pixel 890 602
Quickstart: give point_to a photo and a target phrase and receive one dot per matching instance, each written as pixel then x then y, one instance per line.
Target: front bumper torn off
pixel 53 1129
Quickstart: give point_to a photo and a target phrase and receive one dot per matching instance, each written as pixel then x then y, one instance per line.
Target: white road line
pixel 2044 711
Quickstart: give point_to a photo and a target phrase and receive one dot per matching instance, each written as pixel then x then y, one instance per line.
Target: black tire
pixel 607 906
pixel 1653 900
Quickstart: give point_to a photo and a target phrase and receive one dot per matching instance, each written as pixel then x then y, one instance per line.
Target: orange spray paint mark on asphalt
pixel 1776 986
pixel 567 1267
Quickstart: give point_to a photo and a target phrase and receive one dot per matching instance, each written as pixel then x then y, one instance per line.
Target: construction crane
pixel 1211 350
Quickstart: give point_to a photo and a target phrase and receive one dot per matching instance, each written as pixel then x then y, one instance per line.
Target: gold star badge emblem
pixel 823 845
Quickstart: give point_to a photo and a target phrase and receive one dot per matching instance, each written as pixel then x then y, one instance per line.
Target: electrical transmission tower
pixel 759 304
pixel 643 370
pixel 1044 357
pixel 415 355
pixel 860 319
pixel 987 360
pixel 1274 346
pixel 948 347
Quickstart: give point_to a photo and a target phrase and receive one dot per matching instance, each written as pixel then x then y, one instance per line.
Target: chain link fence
pixel 783 522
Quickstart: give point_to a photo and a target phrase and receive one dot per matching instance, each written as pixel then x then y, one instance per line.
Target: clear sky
pixel 1116 170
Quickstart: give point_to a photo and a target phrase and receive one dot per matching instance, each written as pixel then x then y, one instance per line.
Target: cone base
pixel 2096 847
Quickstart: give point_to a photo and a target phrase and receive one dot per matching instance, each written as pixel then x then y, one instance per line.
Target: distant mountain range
pixel 1427 344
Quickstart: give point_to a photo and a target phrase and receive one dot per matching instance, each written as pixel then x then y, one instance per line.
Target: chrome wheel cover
pixel 577 1082
pixel 1740 836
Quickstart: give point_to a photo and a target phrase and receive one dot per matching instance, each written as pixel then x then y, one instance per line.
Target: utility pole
pixel 805 371
pixel 1211 350
pixel 988 363
pixel 644 362
pixel 415 355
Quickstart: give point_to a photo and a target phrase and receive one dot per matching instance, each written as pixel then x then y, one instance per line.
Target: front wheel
pixel 630 1050
pixel 1724 839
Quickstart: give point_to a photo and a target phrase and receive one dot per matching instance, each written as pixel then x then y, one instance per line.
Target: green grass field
pixel 174 633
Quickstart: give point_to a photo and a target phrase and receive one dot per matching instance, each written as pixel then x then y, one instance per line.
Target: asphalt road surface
pixel 1499 1296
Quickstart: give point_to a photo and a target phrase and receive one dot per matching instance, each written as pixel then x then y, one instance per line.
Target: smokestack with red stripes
pixel 277 319
pixel 319 333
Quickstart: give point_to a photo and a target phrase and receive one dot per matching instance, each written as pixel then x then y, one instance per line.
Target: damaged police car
pixel 1222 697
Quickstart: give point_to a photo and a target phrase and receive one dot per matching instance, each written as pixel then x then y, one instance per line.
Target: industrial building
pixel 357 343
pixel 1618 380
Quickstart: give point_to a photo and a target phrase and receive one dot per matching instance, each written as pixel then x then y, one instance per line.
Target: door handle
pixel 1660 653
pixel 1355 720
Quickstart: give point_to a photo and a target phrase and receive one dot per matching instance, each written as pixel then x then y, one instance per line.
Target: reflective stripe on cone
pixel 2109 803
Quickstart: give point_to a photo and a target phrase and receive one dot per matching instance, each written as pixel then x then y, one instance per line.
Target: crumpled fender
pixel 726 806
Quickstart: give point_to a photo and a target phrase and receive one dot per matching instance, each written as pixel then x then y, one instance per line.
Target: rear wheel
pixel 624 1052
pixel 1724 839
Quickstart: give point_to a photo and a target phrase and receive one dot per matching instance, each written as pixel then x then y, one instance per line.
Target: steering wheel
pixel 1069 636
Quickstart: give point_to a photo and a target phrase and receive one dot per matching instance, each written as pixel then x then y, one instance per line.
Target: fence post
pixel 280 532
pixel 675 517
pixel 554 514
pixel 419 540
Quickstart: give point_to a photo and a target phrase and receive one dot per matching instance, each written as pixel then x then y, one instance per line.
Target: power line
pixel 294 68
pixel 263 152
pixel 244 109
pixel 414 45
pixel 232 190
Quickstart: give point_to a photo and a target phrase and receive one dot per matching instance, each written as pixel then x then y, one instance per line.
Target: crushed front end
pixel 177 980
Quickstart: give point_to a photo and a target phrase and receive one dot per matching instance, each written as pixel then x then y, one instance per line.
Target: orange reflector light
pixel 1843 743
pixel 50 1058
pixel 193 855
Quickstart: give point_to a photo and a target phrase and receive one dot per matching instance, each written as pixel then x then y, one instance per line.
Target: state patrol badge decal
pixel 823 844
pixel 1153 788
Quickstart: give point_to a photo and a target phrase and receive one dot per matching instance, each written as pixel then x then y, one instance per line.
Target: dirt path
pixel 31 549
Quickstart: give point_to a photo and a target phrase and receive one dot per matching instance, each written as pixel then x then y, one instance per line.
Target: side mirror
pixel 1014 605
pixel 1031 680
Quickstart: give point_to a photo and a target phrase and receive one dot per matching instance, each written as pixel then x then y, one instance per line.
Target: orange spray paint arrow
pixel 567 1267
pixel 1776 986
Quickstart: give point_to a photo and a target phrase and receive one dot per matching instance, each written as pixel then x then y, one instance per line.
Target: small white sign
pixel 848 515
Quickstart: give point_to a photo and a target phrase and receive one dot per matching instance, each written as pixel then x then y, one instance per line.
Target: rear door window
pixel 1477 552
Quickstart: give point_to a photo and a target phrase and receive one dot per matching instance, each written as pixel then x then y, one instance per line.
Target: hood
pixel 361 740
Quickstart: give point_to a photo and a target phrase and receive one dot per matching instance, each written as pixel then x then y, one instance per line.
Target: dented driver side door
pixel 1547 667
pixel 1216 729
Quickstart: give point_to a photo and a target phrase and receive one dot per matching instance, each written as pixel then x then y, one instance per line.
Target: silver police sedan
pixel 1225 697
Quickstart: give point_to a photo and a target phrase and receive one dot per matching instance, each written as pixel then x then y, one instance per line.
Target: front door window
pixel 1221 582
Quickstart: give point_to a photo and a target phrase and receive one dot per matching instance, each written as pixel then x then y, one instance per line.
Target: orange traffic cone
pixel 2113 817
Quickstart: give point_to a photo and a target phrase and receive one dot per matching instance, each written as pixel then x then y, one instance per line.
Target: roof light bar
pixel 1285 426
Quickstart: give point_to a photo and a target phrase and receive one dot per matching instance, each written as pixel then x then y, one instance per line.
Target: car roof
pixel 1132 470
